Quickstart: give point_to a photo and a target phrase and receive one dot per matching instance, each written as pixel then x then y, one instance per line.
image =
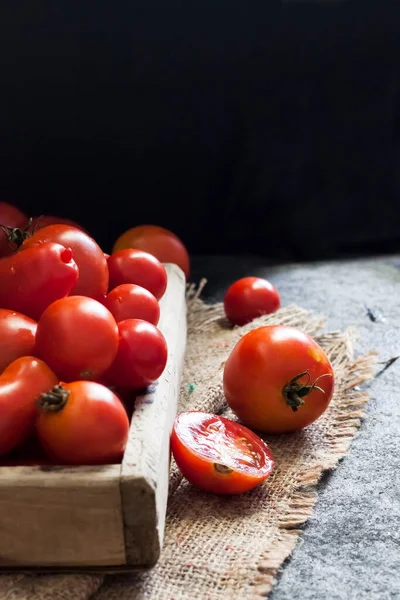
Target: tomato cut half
pixel 218 455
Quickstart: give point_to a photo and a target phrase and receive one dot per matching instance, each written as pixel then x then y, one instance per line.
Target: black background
pixel 246 127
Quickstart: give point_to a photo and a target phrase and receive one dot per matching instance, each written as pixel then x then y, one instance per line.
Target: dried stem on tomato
pixel 55 400
pixel 294 392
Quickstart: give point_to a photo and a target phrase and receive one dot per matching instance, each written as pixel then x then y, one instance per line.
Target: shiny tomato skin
pixel 262 364
pixel 130 301
pixel 33 279
pixel 10 216
pixel 17 337
pixel 138 267
pixel 77 337
pixel 20 385
pixel 93 271
pixel 162 243
pixel 249 298
pixel 91 428
pixel 218 455
pixel 46 220
pixel 142 355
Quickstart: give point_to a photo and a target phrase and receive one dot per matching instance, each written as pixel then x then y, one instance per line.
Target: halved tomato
pixel 218 455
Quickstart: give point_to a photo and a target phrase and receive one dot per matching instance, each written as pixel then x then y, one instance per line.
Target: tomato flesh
pixel 218 455
pixel 264 365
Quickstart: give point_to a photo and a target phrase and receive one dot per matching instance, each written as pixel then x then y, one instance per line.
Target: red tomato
pixel 160 242
pixel 217 455
pixel 10 216
pixel 249 298
pixel 77 337
pixel 141 268
pixel 277 379
pixel 46 220
pixel 130 301
pixel 17 337
pixel 93 271
pixel 82 423
pixel 20 385
pixel 33 279
pixel 142 355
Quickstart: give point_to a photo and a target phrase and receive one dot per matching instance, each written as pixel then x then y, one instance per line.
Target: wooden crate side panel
pixel 61 517
pixel 145 468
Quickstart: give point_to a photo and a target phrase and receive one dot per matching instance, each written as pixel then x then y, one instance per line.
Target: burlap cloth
pixel 230 548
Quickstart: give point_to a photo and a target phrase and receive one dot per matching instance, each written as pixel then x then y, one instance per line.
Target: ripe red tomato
pixel 33 279
pixel 249 298
pixel 93 271
pixel 20 385
pixel 160 242
pixel 277 379
pixel 82 423
pixel 142 355
pixel 77 337
pixel 130 301
pixel 17 337
pixel 10 216
pixel 46 220
pixel 141 268
pixel 217 455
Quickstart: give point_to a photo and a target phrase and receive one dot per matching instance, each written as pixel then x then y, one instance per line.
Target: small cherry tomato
pixel 130 301
pixel 141 268
pixel 17 337
pixel 20 385
pixel 277 379
pixel 45 220
pixel 218 455
pixel 10 217
pixel 93 271
pixel 142 355
pixel 249 298
pixel 160 242
pixel 82 423
pixel 77 337
pixel 33 279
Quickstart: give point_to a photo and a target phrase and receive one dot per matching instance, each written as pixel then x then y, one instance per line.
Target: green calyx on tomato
pixel 15 235
pixel 294 392
pixel 54 400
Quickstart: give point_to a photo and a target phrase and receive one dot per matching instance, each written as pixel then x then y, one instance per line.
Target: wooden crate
pixel 108 516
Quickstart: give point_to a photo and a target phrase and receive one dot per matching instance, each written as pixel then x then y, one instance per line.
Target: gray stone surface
pixel 350 549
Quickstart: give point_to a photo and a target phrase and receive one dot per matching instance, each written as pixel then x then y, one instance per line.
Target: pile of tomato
pixel 78 336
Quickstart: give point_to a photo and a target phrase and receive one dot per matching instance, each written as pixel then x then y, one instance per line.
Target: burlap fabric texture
pixel 230 548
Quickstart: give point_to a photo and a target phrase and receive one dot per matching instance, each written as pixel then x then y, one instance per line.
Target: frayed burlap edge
pixel 347 422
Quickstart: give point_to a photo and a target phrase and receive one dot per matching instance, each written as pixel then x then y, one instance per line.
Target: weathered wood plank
pixel 145 467
pixel 61 516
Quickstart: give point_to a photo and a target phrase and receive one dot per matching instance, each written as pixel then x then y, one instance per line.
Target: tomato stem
pixel 294 392
pixel 55 400
pixel 15 235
